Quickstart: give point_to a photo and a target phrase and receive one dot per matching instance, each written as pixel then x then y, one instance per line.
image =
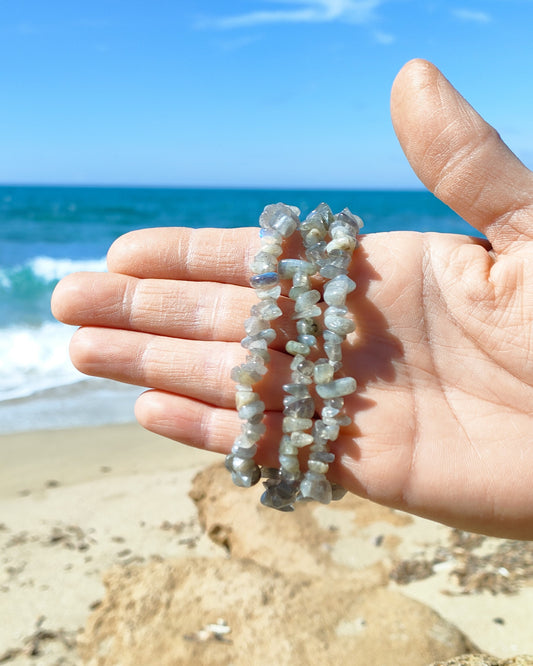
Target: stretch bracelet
pixel 329 242
pixel 277 222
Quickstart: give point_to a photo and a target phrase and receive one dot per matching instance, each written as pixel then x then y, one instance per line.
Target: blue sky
pixel 280 93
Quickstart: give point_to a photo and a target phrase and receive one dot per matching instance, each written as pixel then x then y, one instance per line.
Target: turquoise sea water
pixel 48 232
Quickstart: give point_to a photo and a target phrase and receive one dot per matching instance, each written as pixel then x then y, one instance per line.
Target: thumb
pixel 460 157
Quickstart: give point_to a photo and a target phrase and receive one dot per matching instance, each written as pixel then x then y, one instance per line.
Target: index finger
pixel 180 253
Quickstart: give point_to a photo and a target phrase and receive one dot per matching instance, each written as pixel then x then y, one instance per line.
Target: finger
pixel 193 310
pixel 196 369
pixel 213 429
pixel 177 253
pixel 203 426
pixel 461 158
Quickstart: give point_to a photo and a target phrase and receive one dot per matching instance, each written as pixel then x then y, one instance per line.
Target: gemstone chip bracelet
pixel 328 241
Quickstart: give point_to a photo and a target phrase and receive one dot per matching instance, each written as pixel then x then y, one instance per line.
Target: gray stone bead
pixel 337 388
pixel 316 487
pixel 322 456
pixel 254 325
pixel 268 292
pixel 281 218
pixel 243 398
pixel 273 249
pixel 244 452
pixel 339 230
pixel 270 473
pixel 289 399
pixel 320 442
pixel 298 378
pixel 333 352
pixel 263 262
pixel 292 423
pixel 339 258
pixel 268 334
pixel 339 325
pixel 266 310
pixel 253 431
pixel 326 431
pixel 303 408
pixel 329 271
pixel 261 353
pixel 293 347
pixel 337 289
pixel 242 441
pixel 313 236
pixel 316 253
pixel 271 499
pixel 295 389
pixel 325 213
pixel 344 243
pixel 243 375
pixel 317 466
pixel 349 219
pixel 246 479
pixel 254 345
pixel 243 465
pixel 323 372
pixel 270 236
pixel 302 365
pixel 289 464
pixel 312 311
pixel 301 439
pixel 332 431
pixel 247 411
pixel 264 280
pixel 287 268
pixel 314 221
pixel 336 311
pixel 243 388
pixel 306 300
pixel 344 420
pixel 256 419
pixel 329 412
pixel 309 340
pixel 335 403
pixel 307 327
pixel 286 446
pixel 332 338
pixel 337 492
pixel 256 363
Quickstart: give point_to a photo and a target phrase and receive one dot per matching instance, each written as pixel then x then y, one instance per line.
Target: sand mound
pixel 274 596
pixel 167 613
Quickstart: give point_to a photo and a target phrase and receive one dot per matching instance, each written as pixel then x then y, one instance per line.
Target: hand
pixel 443 414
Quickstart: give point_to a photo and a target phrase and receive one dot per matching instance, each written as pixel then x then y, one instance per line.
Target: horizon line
pixel 303 188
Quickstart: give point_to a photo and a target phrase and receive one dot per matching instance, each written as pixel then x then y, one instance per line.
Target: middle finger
pixel 174 308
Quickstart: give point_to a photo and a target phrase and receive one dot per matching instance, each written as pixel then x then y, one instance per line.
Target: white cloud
pixel 470 15
pixel 384 37
pixel 303 11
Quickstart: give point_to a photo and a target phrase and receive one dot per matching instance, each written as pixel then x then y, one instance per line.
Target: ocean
pixel 48 232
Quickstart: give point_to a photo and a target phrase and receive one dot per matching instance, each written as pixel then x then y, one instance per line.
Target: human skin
pixel 443 352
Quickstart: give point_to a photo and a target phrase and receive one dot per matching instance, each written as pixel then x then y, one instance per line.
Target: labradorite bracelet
pixel 328 241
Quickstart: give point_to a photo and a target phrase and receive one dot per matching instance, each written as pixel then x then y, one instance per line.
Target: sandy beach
pixel 121 547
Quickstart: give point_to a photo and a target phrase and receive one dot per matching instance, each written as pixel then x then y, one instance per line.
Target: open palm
pixel 443 356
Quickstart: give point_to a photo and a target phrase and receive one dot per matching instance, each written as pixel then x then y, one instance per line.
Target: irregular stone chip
pixel 337 388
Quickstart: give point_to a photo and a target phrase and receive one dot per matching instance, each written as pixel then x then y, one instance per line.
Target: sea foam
pixel 33 359
pixel 43 270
